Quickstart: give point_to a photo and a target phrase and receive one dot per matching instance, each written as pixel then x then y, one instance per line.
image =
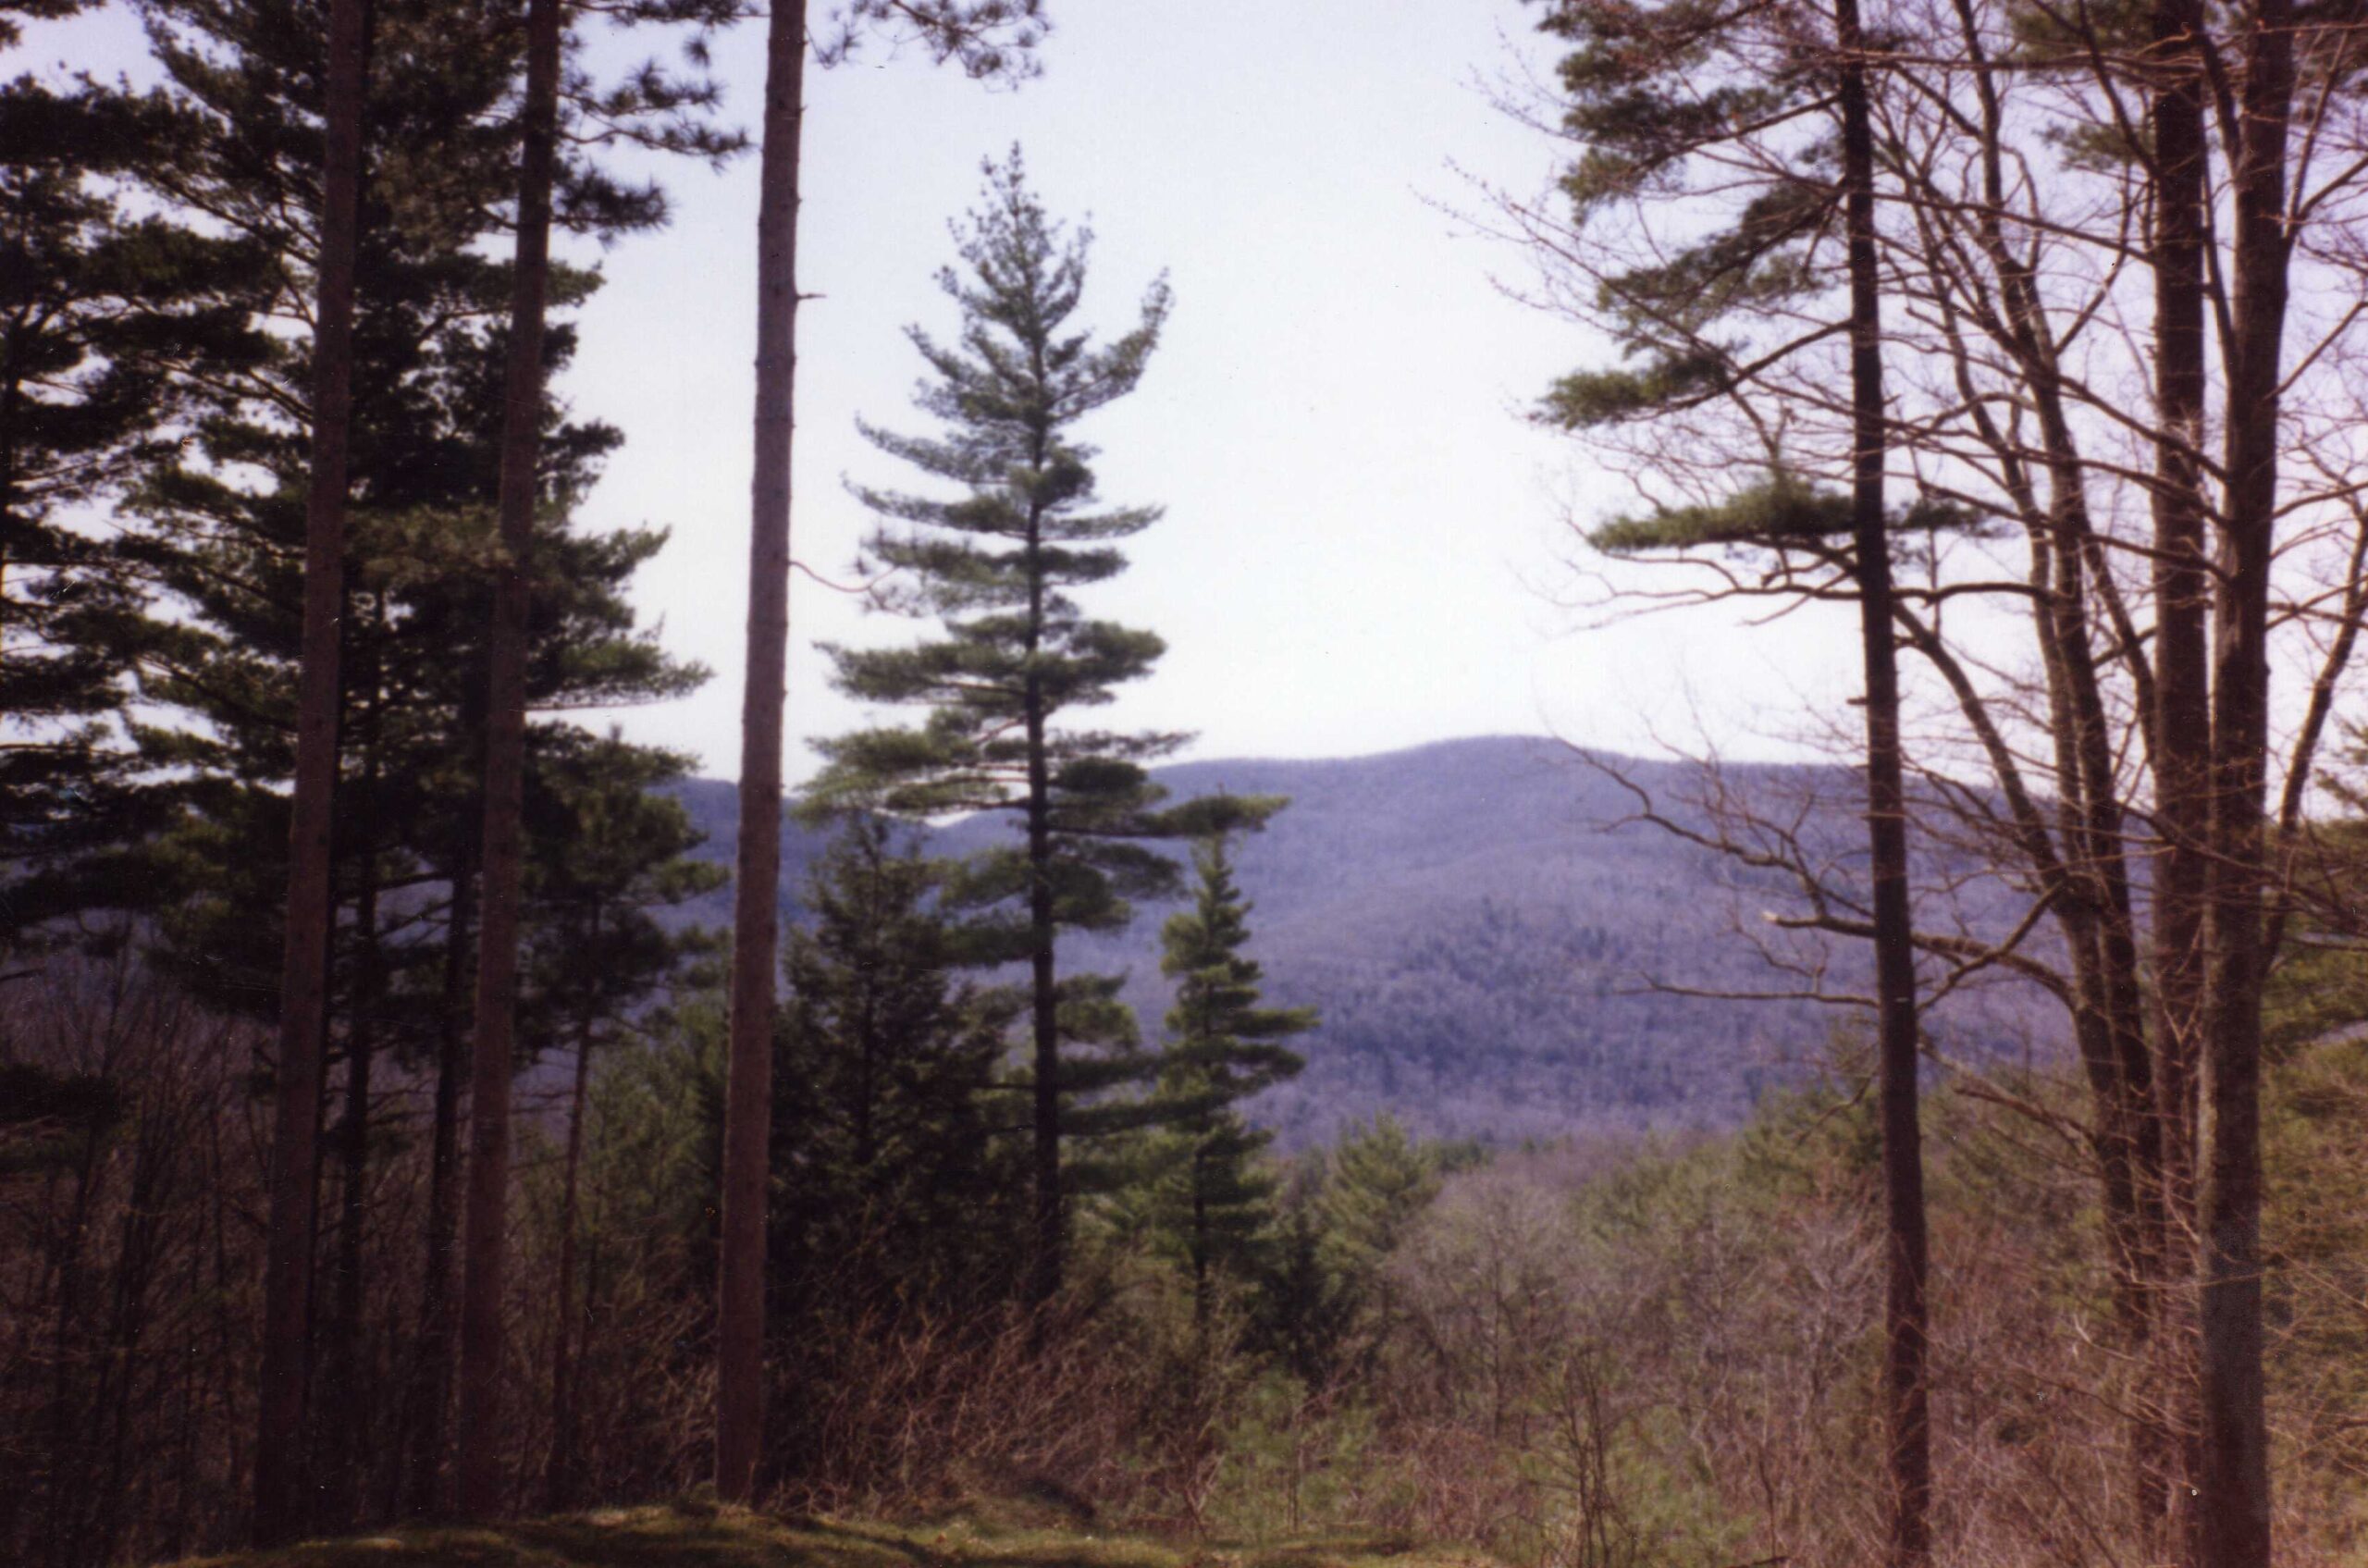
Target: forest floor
pixel 701 1537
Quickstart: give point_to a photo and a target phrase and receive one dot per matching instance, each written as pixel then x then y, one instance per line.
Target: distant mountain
pixel 1480 928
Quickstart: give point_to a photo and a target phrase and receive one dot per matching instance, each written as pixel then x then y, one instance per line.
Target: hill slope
pixel 1478 928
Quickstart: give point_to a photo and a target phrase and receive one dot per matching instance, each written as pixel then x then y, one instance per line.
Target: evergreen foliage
pixel 1785 510
pixel 103 316
pixel 891 1133
pixel 1380 1179
pixel 1212 1198
pixel 223 519
pixel 608 849
pixel 998 566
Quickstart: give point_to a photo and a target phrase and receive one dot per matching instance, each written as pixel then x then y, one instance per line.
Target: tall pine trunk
pixel 347 1404
pixel 1903 1159
pixel 747 1115
pixel 304 991
pixel 1048 1263
pixel 483 1438
pixel 2233 1478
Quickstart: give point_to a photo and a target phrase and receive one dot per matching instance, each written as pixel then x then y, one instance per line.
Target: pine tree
pixel 1637 90
pixel 1380 1179
pixel 744 1177
pixel 501 838
pixel 991 39
pixel 886 1126
pixel 1304 1307
pixel 1223 1048
pixel 101 316
pixel 605 851
pixel 552 164
pixel 311 913
pixel 1377 1182
pixel 998 566
pixel 433 331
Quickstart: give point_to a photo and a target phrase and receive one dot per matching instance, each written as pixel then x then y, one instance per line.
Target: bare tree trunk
pixel 483 1438
pixel 345 1411
pixel 1047 1265
pixel 2232 1483
pixel 2181 733
pixel 1903 1159
pixel 303 989
pixel 560 1479
pixel 747 1117
pixel 431 1386
pixel 1202 1314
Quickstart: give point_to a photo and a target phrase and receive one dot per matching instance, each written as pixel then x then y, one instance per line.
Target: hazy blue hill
pixel 1478 938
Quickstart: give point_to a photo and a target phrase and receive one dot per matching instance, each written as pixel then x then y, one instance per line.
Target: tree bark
pixel 1047 1265
pixel 2089 884
pixel 483 1439
pixel 1202 1314
pixel 2233 1482
pixel 747 1117
pixel 2181 733
pixel 1905 1399
pixel 303 992
pixel 431 1387
pixel 560 1479
pixel 345 1412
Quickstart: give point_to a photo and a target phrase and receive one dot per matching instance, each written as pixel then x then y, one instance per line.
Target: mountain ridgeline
pixel 1496 948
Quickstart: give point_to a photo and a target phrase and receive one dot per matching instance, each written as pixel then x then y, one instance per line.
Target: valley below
pixel 1498 948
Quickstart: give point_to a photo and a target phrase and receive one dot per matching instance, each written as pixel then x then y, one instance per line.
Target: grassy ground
pixel 697 1537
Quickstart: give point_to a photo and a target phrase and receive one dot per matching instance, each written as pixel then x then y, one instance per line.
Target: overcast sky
pixel 1362 536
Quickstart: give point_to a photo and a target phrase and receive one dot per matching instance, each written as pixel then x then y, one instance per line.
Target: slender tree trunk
pixel 1200 1303
pixel 2115 1051
pixel 747 1115
pixel 1050 1261
pixel 560 1480
pixel 2232 1483
pixel 345 1409
pixel 483 1437
pixel 2089 884
pixel 431 1385
pixel 67 1241
pixel 2182 737
pixel 1047 1265
pixel 344 1395
pixel 304 989
pixel 1903 1159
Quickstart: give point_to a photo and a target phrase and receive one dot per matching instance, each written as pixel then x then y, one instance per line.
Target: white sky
pixel 1360 532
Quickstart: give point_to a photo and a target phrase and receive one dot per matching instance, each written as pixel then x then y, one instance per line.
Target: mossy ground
pixel 701 1537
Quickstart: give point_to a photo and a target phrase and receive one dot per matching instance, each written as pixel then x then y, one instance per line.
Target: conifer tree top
pixel 998 563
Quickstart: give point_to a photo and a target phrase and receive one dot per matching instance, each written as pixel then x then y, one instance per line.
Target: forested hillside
pixel 1489 936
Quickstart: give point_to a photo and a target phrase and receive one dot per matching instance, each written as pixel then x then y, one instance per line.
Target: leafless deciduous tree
pixel 2116 257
